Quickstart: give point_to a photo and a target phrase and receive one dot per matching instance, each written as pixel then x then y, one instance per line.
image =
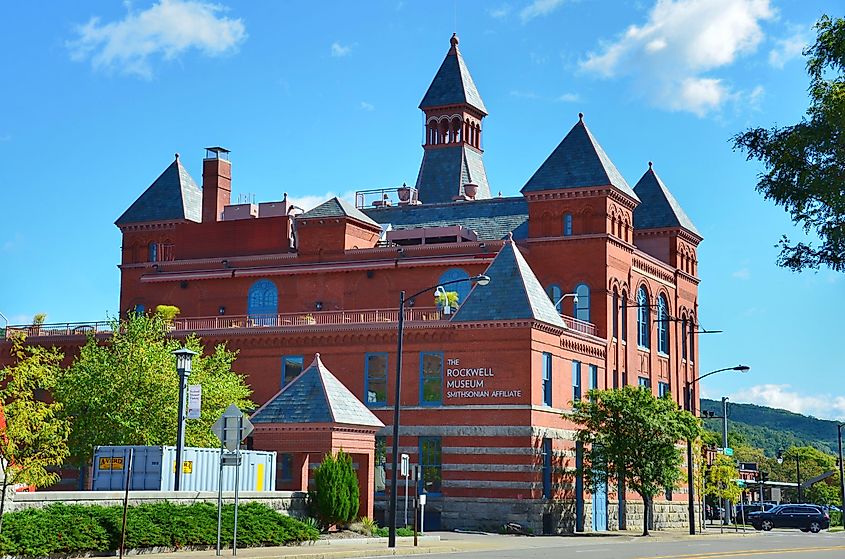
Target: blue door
pixel 600 508
pixel 263 303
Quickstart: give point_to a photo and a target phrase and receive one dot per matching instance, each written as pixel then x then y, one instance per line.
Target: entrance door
pixel 600 508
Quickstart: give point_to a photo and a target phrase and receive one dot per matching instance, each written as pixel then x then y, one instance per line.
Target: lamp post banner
pixel 194 401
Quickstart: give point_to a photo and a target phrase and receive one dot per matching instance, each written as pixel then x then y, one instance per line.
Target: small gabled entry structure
pixel 313 415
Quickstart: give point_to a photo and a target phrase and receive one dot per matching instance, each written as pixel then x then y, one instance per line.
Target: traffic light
pixel 764 476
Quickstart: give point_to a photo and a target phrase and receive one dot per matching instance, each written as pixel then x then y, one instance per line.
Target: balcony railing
pixel 283 320
pixel 579 325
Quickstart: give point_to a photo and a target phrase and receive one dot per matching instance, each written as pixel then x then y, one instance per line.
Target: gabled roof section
pixel 514 292
pixel 452 85
pixel 316 396
pixel 578 161
pixel 173 196
pixel 658 208
pixel 338 208
pixel 491 219
pixel 444 171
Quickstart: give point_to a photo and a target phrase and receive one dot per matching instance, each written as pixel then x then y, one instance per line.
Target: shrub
pixel 401 532
pixel 73 529
pixel 335 497
pixel 167 312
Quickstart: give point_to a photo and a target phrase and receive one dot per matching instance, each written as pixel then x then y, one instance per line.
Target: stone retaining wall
pixel 291 503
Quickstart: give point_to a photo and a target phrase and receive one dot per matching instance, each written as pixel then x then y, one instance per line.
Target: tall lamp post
pixel 391 535
pixel 184 357
pixel 797 469
pixel 841 472
pixel 690 480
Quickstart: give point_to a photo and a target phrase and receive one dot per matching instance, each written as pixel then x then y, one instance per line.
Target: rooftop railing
pixel 579 325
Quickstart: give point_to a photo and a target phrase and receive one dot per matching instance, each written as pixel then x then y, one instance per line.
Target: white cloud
pixel 311 201
pixel 501 12
pixel 742 273
pixel 789 47
pixel 682 40
pixel 539 8
pixel 339 50
pixel 367 106
pixel 167 29
pixel 785 397
pixel 569 98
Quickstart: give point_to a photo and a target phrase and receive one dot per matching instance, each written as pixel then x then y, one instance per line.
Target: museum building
pixel 593 284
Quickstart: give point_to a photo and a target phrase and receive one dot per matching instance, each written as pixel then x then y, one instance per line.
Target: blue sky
pixel 321 99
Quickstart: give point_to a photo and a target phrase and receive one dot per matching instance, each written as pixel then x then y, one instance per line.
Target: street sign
pixel 230 430
pixel 231 459
pixel 194 401
pixel 404 465
pixel 728 451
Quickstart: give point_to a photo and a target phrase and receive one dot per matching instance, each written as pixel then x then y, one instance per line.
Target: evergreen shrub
pixel 334 500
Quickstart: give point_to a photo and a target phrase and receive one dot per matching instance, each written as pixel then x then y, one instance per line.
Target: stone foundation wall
pixel 667 515
pixel 291 503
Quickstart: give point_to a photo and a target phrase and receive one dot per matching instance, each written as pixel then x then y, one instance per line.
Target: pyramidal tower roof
pixel 578 161
pixel 173 196
pixel 316 396
pixel 453 85
pixel 658 208
pixel 514 292
pixel 337 207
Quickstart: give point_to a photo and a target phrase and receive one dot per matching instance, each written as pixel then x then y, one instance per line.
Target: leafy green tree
pixel 334 499
pixel 630 433
pixel 721 480
pixel 33 434
pixel 125 390
pixel 805 163
pixel 813 463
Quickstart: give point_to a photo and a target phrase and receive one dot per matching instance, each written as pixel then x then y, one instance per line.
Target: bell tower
pixel 452 166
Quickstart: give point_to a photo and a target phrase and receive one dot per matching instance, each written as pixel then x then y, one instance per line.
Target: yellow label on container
pixel 187 466
pixel 259 484
pixel 115 463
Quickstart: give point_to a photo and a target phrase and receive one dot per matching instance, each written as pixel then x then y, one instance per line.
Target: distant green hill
pixel 771 428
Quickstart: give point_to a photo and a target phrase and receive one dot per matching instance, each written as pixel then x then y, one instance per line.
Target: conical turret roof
pixel 173 196
pixel 658 209
pixel 453 85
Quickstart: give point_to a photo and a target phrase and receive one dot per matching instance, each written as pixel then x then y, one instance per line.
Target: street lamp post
pixel 797 469
pixel 184 356
pixel 841 473
pixel 689 408
pixel 391 535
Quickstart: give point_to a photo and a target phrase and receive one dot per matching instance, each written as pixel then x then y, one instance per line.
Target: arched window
pixel 582 309
pixel 263 300
pixel 684 337
pixel 554 292
pixel 567 225
pixel 615 320
pixel 461 288
pixel 152 252
pixel 643 322
pixel 692 329
pixel 624 317
pixel 662 325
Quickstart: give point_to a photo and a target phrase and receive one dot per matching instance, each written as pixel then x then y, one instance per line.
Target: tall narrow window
pixel 291 367
pixel 594 377
pixel 663 389
pixel 692 328
pixel 567 225
pixel 263 302
pixel 582 309
pixel 624 317
pixel 684 338
pixel 644 382
pixel 643 322
pixel 153 252
pixel 662 325
pixel 615 320
pixel 380 461
pixel 554 292
pixel 284 467
pixel 431 378
pixel 375 379
pixel 576 381
pixel 547 379
pixel 431 462
pixel 547 468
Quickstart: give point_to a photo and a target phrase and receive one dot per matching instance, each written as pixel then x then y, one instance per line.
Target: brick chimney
pixel 216 183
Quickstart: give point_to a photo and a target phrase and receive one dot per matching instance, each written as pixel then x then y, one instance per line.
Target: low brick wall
pixel 291 503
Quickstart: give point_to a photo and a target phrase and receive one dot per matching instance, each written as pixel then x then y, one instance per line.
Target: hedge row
pixel 63 528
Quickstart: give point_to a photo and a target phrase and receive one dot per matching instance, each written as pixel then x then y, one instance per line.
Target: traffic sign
pixel 232 427
pixel 728 451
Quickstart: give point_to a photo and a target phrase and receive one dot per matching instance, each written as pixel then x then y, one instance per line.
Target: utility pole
pixel 725 503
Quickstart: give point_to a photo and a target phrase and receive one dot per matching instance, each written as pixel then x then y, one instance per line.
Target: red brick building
pixel 593 284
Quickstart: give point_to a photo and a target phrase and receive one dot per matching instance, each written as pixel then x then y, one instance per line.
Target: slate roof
pixel 338 208
pixel 453 85
pixel 445 170
pixel 316 396
pixel 658 208
pixel 491 219
pixel 514 292
pixel 578 161
pixel 173 196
